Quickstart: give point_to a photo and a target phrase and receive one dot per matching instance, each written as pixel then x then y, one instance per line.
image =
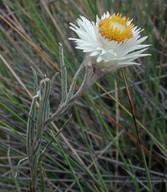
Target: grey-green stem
pixel 91 75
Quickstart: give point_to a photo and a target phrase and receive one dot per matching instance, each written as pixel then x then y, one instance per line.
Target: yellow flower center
pixel 116 28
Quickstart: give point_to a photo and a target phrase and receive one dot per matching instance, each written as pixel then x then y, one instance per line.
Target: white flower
pixel 112 42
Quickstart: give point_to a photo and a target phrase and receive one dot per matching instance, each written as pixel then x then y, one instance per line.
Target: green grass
pixel 95 149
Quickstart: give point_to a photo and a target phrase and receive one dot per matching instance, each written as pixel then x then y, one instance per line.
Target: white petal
pixel 110 55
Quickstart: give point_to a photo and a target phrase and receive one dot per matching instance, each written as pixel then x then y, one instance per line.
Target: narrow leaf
pixel 63 74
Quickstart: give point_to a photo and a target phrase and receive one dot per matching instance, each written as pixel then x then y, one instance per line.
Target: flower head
pixel 112 42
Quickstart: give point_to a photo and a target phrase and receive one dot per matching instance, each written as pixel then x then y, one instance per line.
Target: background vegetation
pixel 97 147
